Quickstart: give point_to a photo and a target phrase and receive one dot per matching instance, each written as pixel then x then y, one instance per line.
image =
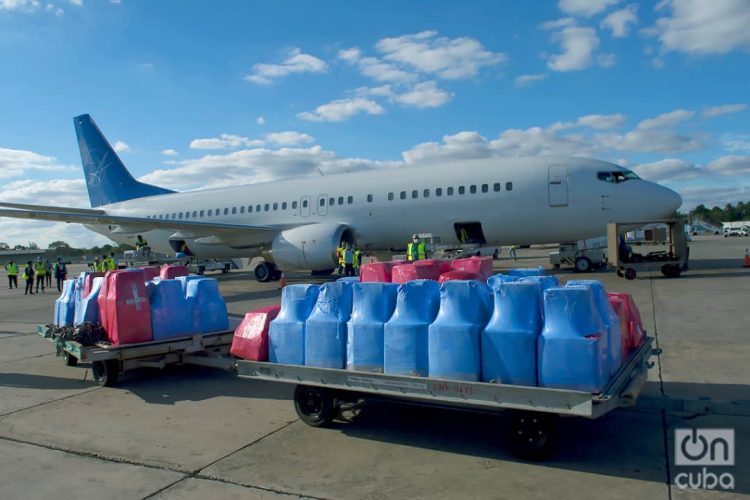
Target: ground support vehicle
pixel 109 361
pixel 671 261
pixel 582 259
pixel 321 393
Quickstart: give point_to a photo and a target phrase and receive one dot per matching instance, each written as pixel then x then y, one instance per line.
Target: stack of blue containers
pixel 573 346
pixel 522 272
pixel 170 312
pixel 87 308
pixel 524 329
pixel 454 336
pixel 286 333
pixel 209 311
pixel 325 329
pixel 372 306
pixel 65 306
pixel 609 318
pixel 406 333
pixel 509 341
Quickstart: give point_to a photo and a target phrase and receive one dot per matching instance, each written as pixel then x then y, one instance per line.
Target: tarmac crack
pixel 196 474
pixel 663 413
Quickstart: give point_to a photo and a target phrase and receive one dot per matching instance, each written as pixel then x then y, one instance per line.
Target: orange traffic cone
pixel 282 281
pixel 746 261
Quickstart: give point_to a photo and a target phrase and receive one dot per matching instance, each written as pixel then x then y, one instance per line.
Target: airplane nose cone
pixel 672 200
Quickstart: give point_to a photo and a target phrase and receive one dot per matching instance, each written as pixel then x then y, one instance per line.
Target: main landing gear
pixel 266 271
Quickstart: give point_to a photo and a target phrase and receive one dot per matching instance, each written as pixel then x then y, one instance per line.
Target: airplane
pixel 297 224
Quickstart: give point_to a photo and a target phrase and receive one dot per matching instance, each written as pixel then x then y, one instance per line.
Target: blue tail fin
pixel 107 179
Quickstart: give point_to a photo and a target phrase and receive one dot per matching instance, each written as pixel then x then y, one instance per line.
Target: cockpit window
pixel 617 176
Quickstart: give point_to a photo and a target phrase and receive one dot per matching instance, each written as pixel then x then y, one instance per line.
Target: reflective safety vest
pixel 420 251
pixel 40 268
pixel 109 263
pixel 341 251
pixel 12 269
pixel 28 273
pixel 357 258
pixel 140 244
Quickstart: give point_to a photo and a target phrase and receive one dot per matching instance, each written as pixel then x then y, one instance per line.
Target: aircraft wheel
pixel 264 272
pixel 583 264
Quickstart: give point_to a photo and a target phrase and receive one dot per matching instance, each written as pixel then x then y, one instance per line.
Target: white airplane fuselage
pixel 539 200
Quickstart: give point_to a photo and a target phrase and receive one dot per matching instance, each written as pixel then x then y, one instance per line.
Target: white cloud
pixel 666 120
pixel 669 169
pixel 383 71
pixel 649 141
pixel 527 80
pixel 723 110
pixel 606 60
pixel 461 146
pixel 342 109
pixel 585 8
pixel 260 120
pixel 704 27
pixel 736 142
pixel 224 141
pixel 18 162
pixel 296 62
pixel 20 5
pixel 120 146
pixel 578 45
pixel 424 95
pixel 77 3
pixel 449 58
pixel 350 55
pixel 619 21
pixel 557 24
pixel 730 165
pixel 115 2
pixel 602 121
pixel 169 152
pixel 289 138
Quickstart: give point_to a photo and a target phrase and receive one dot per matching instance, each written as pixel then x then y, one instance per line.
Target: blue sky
pixel 199 94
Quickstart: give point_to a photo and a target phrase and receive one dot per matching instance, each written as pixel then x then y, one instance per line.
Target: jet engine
pixel 310 247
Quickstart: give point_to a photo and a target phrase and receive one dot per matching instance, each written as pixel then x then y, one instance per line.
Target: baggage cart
pixel 321 392
pixel 671 261
pixel 109 361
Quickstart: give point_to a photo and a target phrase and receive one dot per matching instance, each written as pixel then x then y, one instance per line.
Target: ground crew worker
pixel 340 255
pixel 111 262
pixel 28 276
pixel 512 252
pixel 61 272
pixel 96 265
pixel 40 269
pixel 349 261
pixel 141 245
pixel 463 235
pixel 415 249
pixel 12 269
pixel 48 273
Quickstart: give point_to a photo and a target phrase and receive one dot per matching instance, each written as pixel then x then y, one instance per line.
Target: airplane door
pixel 558 186
pixel 322 207
pixel 304 206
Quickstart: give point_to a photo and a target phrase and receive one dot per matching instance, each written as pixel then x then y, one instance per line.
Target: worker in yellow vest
pixel 340 255
pixel 111 262
pixel 28 276
pixel 12 269
pixel 357 259
pixel 415 249
pixel 40 269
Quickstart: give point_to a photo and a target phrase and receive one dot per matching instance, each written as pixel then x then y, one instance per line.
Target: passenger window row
pixel 450 191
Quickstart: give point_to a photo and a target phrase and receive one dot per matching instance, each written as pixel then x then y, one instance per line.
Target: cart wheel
pixel 630 273
pixel 534 434
pixel 315 406
pixel 106 372
pixel 69 359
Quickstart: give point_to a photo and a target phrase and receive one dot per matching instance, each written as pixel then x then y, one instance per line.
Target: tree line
pixel 717 215
pixel 64 249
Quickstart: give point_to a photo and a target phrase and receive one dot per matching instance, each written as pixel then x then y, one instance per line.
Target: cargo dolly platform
pixel 109 361
pixel 320 393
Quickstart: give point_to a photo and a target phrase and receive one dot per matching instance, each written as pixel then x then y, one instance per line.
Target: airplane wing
pixel 234 235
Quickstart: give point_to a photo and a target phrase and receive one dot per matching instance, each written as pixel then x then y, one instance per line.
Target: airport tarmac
pixel 192 432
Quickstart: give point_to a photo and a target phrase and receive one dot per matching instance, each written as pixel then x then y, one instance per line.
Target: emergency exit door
pixel 558 186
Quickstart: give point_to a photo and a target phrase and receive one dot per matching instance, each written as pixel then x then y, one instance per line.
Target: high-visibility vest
pixel 28 273
pixel 40 268
pixel 110 264
pixel 420 251
pixel 12 269
pixel 341 252
pixel 357 258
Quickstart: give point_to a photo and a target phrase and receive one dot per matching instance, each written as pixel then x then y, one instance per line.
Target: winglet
pixel 107 179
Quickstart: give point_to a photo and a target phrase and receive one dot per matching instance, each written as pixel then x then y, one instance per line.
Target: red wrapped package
pixel 458 275
pixel 171 272
pixel 251 336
